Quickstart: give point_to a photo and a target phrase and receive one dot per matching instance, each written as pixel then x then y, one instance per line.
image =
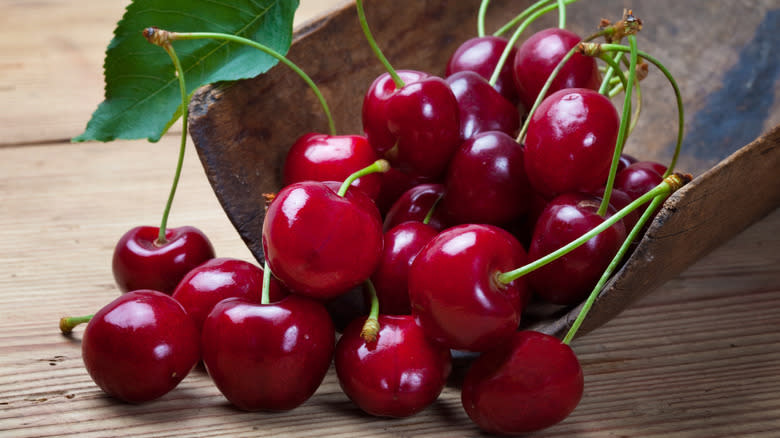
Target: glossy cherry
pixel 394 184
pixel 639 178
pixel 481 55
pixel 391 279
pixel 570 278
pixel 140 346
pixel 415 204
pixel 481 107
pixel 398 374
pixel 529 383
pixel 538 56
pixel 320 157
pixel 486 181
pixel 454 290
pixel 318 243
pixel 570 142
pixel 220 278
pixel 140 262
pixel 268 356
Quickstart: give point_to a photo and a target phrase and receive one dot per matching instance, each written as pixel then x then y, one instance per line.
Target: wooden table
pixel 699 357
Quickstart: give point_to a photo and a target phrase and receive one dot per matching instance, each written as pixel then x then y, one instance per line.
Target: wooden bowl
pixel 722 54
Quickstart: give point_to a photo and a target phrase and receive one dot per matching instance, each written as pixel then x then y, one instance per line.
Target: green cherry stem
pixel 520 17
pixel 371 326
pixel 625 119
pixel 378 166
pixel 399 83
pixel 265 296
pixel 483 5
pixel 431 210
pixel 267 50
pixel 648 213
pixel 666 187
pixel 67 323
pixel 561 14
pixel 613 66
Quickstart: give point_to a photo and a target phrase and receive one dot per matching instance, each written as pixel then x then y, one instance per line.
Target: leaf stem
pixel 399 83
pixel 269 51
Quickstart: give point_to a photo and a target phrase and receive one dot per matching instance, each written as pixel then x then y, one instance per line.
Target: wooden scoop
pixel 722 54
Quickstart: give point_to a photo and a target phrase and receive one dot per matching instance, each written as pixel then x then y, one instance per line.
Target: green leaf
pixel 142 96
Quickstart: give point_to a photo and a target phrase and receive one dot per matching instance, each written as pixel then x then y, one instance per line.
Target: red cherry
pixel 639 178
pixel 320 157
pixel 530 382
pixel 569 279
pixel 455 294
pixel 570 142
pixel 398 374
pixel 486 181
pixel 394 184
pixel 140 346
pixel 414 205
pixel 402 244
pixel 268 356
pixel 481 55
pixel 374 111
pixel 481 108
pixel 219 278
pixel 538 56
pixel 318 243
pixel 140 262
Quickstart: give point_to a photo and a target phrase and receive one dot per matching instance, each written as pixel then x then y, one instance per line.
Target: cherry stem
pixel 399 83
pixel 267 50
pixel 528 11
pixel 594 50
pixel 371 326
pixel 431 210
pixel 620 85
pixel 379 166
pixel 666 187
pixel 67 323
pixel 516 35
pixel 561 14
pixel 625 118
pixel 481 17
pixel 265 296
pixel 613 66
pixel 586 306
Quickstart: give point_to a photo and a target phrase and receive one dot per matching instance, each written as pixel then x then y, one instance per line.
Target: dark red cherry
pixel 394 184
pixel 320 157
pixel 625 161
pixel 486 181
pixel 481 55
pixel 481 107
pixel 415 204
pixel 530 382
pixel 219 278
pixel 538 56
pixel 570 278
pixel 318 243
pixel 391 279
pixel 398 374
pixel 140 346
pixel 140 262
pixel 639 178
pixel 268 356
pixel 570 142
pixel 454 290
pixel 374 110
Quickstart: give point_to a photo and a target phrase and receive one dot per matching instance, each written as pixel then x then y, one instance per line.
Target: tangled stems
pixel 399 83
pixel 669 185
pixel 172 36
pixel 528 11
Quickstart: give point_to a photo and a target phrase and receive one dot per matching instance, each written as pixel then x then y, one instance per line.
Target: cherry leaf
pixel 142 95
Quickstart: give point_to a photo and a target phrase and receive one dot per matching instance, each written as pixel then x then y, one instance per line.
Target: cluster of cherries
pixel 426 217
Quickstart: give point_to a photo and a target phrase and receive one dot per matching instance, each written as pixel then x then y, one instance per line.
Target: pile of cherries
pixel 426 218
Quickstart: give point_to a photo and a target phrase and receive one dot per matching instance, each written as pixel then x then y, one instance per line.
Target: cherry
pixel 219 278
pixel 415 204
pixel 538 56
pixel 396 375
pixel 394 184
pixel 639 177
pixel 318 243
pixel 268 356
pixel 530 382
pixel 140 346
pixel 486 181
pixel 455 294
pixel 481 107
pixel 141 262
pixel 481 55
pixel 320 157
pixel 570 142
pixel 570 278
pixel 402 243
